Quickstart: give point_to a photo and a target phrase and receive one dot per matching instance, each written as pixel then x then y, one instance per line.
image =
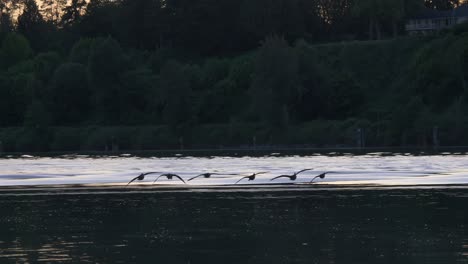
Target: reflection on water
pixel 320 226
pixel 346 169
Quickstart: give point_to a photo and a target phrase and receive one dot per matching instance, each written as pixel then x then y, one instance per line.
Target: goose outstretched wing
pixel 321 176
pixel 302 171
pixel 134 179
pixel 281 176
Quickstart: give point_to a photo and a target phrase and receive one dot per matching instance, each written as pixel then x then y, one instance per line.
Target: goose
pixel 321 176
pixel 292 177
pixel 251 177
pixel 169 176
pixel 209 174
pixel 140 177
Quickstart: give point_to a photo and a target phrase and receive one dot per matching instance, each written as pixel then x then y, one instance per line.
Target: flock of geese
pixel 249 177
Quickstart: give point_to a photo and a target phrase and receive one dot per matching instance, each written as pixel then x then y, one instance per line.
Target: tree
pixel 31 24
pixel 100 19
pixel 176 95
pixel 438 68
pixel 381 13
pixel 394 11
pixel 52 10
pixel 7 8
pixel 73 12
pixel 17 89
pixel 265 18
pixel 68 96
pixel 442 4
pixel 106 66
pixel 6 25
pixel 404 119
pixel 139 91
pixel 371 9
pixel 36 115
pixel 30 18
pixel 140 23
pixel 81 51
pixel 334 15
pixel 15 49
pixel 7 115
pixel 343 97
pixel 275 81
pixel 313 77
pixel 45 65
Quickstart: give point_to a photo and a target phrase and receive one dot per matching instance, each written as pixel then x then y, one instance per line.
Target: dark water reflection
pixel 351 226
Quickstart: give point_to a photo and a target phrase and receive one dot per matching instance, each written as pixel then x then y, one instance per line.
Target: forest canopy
pixel 149 73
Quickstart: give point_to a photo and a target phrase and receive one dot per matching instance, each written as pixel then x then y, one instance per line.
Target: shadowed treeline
pixel 146 74
pixel 206 27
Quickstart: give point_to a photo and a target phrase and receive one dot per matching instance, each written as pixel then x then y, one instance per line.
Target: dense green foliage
pixel 117 75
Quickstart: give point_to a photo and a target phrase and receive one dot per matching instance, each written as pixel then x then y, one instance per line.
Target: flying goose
pixel 292 177
pixel 251 177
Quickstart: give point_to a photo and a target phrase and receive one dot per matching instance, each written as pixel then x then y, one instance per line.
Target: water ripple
pixel 372 169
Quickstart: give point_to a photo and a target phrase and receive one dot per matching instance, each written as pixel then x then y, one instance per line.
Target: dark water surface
pixel 309 225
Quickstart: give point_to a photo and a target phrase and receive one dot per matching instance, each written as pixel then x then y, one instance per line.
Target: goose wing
pixel 151 172
pixel 159 177
pixel 178 177
pixel 302 171
pixel 196 177
pixel 281 176
pixel 231 174
pixel 322 175
pixel 245 177
pixel 134 179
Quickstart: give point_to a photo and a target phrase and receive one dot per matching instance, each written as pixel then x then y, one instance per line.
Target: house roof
pixel 428 13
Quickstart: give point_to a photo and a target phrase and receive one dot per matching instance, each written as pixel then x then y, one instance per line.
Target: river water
pixel 369 209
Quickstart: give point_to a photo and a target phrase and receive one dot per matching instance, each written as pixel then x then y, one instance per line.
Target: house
pixel 431 20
